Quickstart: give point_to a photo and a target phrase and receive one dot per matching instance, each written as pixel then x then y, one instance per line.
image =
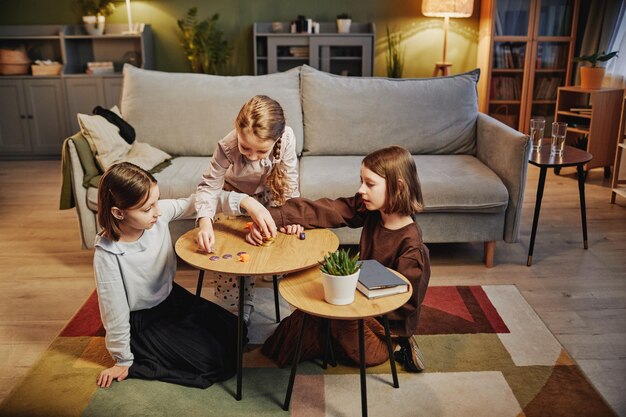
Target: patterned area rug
pixel 487 354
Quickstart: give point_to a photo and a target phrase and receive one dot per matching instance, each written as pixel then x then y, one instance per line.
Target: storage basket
pixel 54 69
pixel 14 62
pixel 502 114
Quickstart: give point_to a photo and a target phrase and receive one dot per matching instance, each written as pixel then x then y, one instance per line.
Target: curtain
pixel 602 20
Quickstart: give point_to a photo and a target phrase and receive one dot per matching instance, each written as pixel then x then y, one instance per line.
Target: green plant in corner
pixel 395 55
pixel 204 44
pixel 597 57
pixel 340 263
pixel 96 7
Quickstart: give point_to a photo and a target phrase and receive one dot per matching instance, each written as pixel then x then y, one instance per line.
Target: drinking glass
pixel 537 126
pixel 559 131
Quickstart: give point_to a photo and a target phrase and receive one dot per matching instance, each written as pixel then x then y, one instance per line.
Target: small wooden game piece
pixel 302 236
pixel 244 257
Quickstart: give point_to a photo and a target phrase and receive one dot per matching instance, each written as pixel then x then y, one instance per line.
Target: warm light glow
pixel 447 8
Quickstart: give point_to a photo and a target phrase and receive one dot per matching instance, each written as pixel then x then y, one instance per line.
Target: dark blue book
pixel 377 281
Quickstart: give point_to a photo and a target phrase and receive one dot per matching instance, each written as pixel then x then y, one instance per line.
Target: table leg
pixel 276 304
pixel 392 360
pixel 362 363
pixel 540 185
pixel 200 279
pixel 583 209
pixel 294 365
pixel 240 340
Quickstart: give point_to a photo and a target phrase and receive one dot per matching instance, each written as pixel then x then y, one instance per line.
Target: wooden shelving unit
pixel 597 131
pixel 525 50
pixel 338 53
pixel 618 186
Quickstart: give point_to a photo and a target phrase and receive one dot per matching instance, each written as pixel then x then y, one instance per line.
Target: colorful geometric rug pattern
pixel 487 354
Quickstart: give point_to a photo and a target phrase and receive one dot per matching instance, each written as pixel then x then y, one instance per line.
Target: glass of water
pixel 559 131
pixel 537 125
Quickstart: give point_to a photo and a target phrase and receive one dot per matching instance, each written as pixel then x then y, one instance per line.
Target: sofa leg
pixel 490 250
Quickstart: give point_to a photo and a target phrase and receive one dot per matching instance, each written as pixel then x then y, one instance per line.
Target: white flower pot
pixel 94 25
pixel 343 25
pixel 340 290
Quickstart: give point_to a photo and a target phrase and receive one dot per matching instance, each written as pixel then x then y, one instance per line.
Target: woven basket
pixel 14 62
pixel 54 69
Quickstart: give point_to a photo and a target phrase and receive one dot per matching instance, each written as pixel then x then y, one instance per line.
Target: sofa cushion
pixel 354 115
pixel 186 114
pixel 450 183
pixel 177 180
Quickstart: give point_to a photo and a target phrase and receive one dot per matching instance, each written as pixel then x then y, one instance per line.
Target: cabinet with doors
pixel 525 53
pixel 349 54
pixel 38 112
pixel 33 119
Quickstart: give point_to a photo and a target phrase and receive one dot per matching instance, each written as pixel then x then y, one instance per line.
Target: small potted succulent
pixel 343 23
pixel 341 274
pixel 95 13
pixel 591 77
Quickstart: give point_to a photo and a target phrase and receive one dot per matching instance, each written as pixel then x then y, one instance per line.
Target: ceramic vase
pixel 591 77
pixel 94 25
pixel 340 290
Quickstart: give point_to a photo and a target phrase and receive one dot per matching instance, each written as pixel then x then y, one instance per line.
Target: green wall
pixel 422 37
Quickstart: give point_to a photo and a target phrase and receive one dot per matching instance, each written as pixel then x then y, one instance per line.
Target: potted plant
pixel 591 77
pixel 203 42
pixel 95 13
pixel 341 274
pixel 395 55
pixel 343 23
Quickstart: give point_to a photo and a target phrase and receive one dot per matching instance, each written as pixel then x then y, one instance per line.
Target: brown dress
pixel 402 250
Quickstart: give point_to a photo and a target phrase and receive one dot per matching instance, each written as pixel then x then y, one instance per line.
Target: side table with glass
pixel 553 153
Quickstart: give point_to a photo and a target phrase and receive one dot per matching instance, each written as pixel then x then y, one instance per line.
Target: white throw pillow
pixel 110 148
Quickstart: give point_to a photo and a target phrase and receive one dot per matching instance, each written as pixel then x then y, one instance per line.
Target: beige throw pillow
pixel 110 148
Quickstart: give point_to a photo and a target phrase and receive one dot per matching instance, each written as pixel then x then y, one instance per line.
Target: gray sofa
pixel 472 167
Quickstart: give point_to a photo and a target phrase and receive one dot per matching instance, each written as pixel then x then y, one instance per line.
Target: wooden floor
pixel 579 294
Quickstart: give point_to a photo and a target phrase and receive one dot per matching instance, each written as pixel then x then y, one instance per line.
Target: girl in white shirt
pixel 256 161
pixel 155 329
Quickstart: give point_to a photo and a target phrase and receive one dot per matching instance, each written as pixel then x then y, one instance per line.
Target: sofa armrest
pixel 86 218
pixel 505 151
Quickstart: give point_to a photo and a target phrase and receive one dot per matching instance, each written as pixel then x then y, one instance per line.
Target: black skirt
pixel 184 340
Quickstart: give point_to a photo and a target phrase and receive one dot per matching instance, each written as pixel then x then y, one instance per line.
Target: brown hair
pixel 265 119
pixel 124 186
pixel 396 165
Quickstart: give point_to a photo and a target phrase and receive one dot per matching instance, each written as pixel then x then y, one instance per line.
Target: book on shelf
pixel 97 68
pixel 377 281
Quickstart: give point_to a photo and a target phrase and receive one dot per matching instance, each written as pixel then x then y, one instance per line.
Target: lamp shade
pixel 447 8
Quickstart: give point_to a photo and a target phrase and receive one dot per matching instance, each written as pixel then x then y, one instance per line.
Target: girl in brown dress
pixel 385 204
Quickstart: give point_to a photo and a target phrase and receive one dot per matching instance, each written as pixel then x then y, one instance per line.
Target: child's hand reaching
pixel 206 236
pixel 292 229
pixel 260 216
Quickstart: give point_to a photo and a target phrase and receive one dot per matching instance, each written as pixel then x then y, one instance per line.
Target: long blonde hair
pixel 396 165
pixel 265 119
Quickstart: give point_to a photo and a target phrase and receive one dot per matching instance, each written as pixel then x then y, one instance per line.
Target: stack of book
pixel 99 68
pixel 377 281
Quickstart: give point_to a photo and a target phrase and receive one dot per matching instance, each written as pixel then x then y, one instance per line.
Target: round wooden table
pixel 304 291
pixel 287 254
pixel 544 160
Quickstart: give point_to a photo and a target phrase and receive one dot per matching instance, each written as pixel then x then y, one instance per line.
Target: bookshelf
pixel 592 118
pixel 525 50
pixel 618 186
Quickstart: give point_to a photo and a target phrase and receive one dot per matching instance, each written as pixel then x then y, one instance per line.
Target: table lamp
pixel 446 9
